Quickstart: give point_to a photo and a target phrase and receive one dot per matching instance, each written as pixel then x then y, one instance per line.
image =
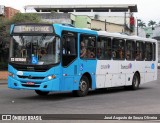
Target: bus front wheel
pixel 41 93
pixel 83 87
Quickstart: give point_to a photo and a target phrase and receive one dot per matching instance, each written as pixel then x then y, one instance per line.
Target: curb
pixel 3 82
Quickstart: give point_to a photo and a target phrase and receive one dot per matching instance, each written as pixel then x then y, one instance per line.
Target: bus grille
pixel 25 85
pixel 31 77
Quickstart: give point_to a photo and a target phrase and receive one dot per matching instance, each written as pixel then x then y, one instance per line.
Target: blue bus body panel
pixel 74 71
pixel 52 85
pixel 67 78
pixel 17 81
pixel 89 66
pixel 59 28
pixel 11 28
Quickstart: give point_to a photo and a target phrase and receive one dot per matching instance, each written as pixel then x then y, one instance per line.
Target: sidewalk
pixel 3 75
pixel 3 82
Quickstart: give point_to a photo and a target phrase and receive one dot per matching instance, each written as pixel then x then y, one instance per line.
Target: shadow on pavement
pixel 68 95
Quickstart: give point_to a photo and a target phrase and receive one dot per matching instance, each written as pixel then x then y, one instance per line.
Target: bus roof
pixel 60 27
pixel 73 29
pixel 118 35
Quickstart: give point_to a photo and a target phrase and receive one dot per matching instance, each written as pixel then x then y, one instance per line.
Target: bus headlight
pixel 11 74
pixel 51 77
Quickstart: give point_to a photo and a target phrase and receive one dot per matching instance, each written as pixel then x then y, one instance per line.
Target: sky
pixel 147 9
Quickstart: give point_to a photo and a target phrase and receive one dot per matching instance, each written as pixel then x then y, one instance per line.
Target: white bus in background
pixel 125 60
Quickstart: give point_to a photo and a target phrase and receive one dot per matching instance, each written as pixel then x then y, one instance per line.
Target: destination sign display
pixel 33 29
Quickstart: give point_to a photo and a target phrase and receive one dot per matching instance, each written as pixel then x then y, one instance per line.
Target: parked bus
pixel 49 58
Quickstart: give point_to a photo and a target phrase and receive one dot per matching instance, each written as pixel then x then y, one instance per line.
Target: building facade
pixel 110 27
pixel 120 14
pixel 10 12
pixel 83 21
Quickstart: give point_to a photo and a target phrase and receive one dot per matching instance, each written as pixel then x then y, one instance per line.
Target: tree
pixel 152 24
pixel 4 43
pixel 141 24
pixel 25 18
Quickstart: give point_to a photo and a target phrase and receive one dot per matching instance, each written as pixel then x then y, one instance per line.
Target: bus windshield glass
pixel 35 50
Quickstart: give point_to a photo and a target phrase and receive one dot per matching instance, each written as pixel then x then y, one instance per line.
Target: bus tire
pixel 135 82
pixel 83 87
pixel 42 93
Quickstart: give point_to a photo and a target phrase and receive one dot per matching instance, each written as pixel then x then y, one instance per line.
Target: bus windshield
pixel 35 50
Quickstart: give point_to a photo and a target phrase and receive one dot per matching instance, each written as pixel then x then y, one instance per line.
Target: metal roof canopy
pixel 85 8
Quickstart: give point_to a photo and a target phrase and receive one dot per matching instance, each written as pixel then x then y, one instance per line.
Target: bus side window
pixel 148 51
pixel 118 49
pixel 87 46
pixel 114 54
pixel 130 48
pixel 139 52
pixel 104 48
pixel 63 46
pixel 100 47
pixel 83 50
pixel 153 51
pixel 69 47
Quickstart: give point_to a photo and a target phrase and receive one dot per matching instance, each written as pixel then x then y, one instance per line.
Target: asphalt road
pixel 146 100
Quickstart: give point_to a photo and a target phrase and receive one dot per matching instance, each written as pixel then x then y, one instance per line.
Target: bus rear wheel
pixel 42 93
pixel 135 82
pixel 83 87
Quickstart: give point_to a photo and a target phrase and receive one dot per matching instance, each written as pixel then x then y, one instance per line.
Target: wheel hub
pixel 135 81
pixel 83 85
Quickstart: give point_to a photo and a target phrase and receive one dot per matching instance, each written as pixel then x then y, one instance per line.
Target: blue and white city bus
pixel 49 58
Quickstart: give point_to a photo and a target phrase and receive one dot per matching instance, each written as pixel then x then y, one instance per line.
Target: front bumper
pixel 50 85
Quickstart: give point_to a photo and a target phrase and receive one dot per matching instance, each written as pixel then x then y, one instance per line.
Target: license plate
pixel 30 83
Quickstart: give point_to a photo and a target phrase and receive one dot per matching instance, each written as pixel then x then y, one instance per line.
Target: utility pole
pixel 105 25
pixel 137 26
pixel 125 22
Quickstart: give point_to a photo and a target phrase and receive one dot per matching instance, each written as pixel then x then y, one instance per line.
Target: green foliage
pixel 4 43
pixel 141 24
pixel 25 18
pixel 152 24
pixel 4 36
